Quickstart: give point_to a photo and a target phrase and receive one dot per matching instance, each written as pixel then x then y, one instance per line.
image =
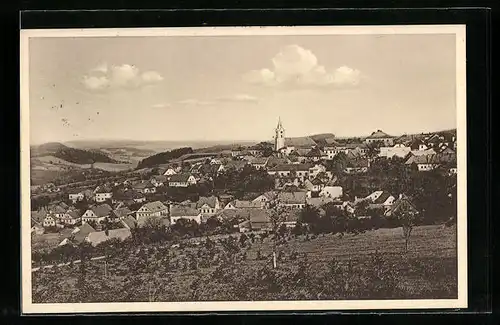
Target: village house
pixel 76 197
pixel 315 185
pixel 120 213
pixel 319 169
pixel 97 213
pixel 169 172
pixel 287 182
pixel 58 209
pixel 95 238
pixel 296 200
pixel 301 171
pixel 380 199
pixel 49 221
pixel 184 212
pixel 424 162
pixel 144 187
pixel 380 136
pixel 37 227
pixel 103 195
pixel 419 145
pixel 357 166
pixel 315 154
pixel 331 192
pixel 129 222
pixel 71 217
pixel 260 219
pixel 208 206
pixel 240 204
pixel 403 202
pixel 330 152
pixel 237 165
pixel 259 163
pixel 158 180
pixel 80 233
pixel 181 180
pixel 398 150
pixel 265 198
pixel 151 209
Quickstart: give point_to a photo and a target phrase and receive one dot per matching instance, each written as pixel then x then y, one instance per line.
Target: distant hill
pixel 163 157
pixel 72 155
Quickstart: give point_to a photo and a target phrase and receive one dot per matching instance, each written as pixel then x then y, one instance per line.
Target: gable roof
pixel 292 197
pixel 259 160
pixel 241 204
pixel 73 214
pixel 211 201
pixel 382 197
pixel 379 134
pixel 259 215
pixel 98 237
pixel 122 212
pixel 102 210
pixel 314 152
pixel 183 211
pixel 180 178
pixel 83 232
pixel 129 222
pixel 399 203
pixel 155 206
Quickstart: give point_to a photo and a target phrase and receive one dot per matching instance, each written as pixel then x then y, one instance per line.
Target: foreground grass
pixel 365 266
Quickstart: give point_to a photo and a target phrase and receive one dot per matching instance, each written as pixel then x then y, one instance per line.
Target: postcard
pixel 243 169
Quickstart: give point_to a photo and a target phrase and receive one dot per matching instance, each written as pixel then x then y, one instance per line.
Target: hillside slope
pixel 72 155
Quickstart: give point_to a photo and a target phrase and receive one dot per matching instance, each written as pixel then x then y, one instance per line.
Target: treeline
pixel 79 156
pixel 163 157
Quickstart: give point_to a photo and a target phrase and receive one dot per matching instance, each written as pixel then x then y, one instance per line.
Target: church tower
pixel 279 139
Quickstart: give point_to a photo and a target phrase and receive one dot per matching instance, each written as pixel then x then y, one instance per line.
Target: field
pixel 371 265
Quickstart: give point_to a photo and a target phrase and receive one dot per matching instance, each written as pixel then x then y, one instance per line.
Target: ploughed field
pixel 371 265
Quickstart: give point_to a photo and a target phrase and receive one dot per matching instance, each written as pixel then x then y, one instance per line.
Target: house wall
pixel 197 218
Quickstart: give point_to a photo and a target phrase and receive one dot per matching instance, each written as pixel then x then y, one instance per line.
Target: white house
pixel 49 221
pixel 208 206
pixel 398 150
pixel 71 217
pixel 151 209
pixel 76 197
pixel 184 212
pixel 181 180
pixel 380 136
pixel 97 213
pixel 331 192
pixel 170 172
pixel 103 196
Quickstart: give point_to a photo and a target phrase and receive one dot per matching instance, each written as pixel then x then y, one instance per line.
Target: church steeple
pixel 279 140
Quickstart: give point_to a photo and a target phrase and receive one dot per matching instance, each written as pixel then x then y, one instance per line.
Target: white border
pixel 459 30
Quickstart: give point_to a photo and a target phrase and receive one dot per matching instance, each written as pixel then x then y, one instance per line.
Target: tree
pixel 277 217
pixel 406 216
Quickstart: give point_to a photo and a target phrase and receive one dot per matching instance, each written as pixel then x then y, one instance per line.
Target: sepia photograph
pixel 243 168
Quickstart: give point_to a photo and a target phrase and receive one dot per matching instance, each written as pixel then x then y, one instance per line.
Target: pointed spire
pixel 280 126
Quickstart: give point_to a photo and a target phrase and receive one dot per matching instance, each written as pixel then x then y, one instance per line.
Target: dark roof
pixel 182 211
pixel 84 231
pixel 155 206
pixel 259 215
pixel 122 212
pixel 210 201
pixel 259 160
pixel 292 167
pixel 399 203
pixel 379 134
pixel 292 197
pixel 317 181
pixel 102 210
pixel 143 185
pixel 314 152
pixel 382 198
pixel 181 178
pixel 75 214
pixel 129 222
pixel 357 163
pixel 241 204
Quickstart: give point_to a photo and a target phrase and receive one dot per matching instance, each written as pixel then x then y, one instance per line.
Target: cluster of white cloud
pixel 296 66
pixel 119 76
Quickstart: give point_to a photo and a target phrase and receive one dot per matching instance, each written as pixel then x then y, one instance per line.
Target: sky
pixel 236 87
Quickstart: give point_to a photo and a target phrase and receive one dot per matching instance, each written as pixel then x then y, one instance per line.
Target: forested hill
pixel 164 157
pixel 73 155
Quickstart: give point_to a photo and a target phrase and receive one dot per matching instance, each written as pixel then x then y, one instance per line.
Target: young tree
pixel 277 217
pixel 406 215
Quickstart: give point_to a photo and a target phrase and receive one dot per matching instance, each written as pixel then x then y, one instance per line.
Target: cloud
pixel 161 105
pixel 298 67
pixel 194 102
pixel 239 98
pixel 119 76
